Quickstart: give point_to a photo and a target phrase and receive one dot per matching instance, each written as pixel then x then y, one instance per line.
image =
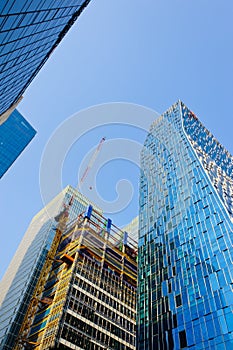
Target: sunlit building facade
pixel 87 300
pixel 29 32
pixel 15 135
pixel 19 281
pixel 132 228
pixel 185 277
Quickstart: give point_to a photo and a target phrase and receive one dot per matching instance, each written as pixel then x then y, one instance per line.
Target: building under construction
pixel 85 297
pixel 22 276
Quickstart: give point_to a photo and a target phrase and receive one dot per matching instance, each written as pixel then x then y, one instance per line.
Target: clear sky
pixel 151 53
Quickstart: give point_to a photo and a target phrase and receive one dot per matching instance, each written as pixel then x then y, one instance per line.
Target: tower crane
pixel 91 162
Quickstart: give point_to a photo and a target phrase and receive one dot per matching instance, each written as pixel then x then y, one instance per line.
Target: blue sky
pixel 149 53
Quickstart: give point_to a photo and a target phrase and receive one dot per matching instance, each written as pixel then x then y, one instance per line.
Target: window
pixel 178 300
pixel 183 339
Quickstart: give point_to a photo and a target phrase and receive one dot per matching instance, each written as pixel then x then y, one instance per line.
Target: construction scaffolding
pixel 89 296
pixel 38 299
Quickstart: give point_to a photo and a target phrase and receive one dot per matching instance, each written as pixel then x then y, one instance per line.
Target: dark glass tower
pixel 185 237
pixel 15 135
pixel 29 31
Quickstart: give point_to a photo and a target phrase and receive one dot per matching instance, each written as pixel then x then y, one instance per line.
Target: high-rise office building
pixel 86 295
pixel 15 135
pixel 185 237
pixel 17 285
pixel 132 229
pixel 29 32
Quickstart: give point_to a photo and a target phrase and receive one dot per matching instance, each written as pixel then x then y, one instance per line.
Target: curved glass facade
pixel 185 271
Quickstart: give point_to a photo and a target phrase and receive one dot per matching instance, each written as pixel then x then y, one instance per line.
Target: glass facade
pixel 15 135
pixel 185 277
pixel 132 229
pixel 18 284
pixel 29 31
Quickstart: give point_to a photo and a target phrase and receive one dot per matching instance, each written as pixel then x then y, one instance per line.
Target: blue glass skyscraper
pixel 29 32
pixel 15 134
pixel 185 279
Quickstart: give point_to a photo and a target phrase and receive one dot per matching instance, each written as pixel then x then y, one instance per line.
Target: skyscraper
pixel 15 134
pixel 29 32
pixel 132 229
pixel 185 237
pixel 86 298
pixel 18 283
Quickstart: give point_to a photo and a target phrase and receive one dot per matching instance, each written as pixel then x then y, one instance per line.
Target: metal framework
pixel 90 290
pixel 38 300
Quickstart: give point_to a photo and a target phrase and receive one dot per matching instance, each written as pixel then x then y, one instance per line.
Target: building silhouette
pixel 185 271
